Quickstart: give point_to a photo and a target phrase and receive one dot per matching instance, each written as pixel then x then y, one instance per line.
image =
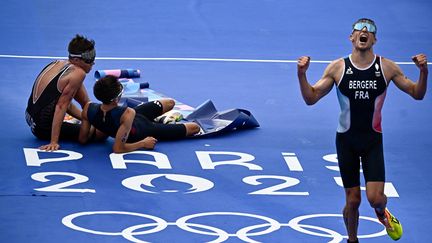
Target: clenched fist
pixel 421 61
pixel 148 142
pixel 303 64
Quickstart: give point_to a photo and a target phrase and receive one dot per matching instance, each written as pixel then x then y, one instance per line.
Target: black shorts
pixel 365 147
pixel 144 125
pixel 40 126
pixel 68 131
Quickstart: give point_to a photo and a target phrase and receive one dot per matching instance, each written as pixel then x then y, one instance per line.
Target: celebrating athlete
pixel 361 81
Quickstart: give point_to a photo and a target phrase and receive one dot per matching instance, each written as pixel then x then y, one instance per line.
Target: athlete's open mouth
pixel 363 38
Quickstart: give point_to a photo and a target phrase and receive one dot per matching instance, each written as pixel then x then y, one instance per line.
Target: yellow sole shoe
pixel 392 225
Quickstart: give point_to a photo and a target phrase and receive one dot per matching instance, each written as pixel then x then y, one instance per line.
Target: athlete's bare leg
pixel 375 195
pixel 192 128
pixel 167 104
pixel 351 212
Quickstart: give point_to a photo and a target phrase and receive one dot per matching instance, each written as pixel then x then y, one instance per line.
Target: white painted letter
pixel 207 163
pixel 32 156
pixel 292 161
pixel 160 160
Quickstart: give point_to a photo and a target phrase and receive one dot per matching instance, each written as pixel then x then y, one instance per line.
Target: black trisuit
pixel 361 94
pixel 142 126
pixel 40 112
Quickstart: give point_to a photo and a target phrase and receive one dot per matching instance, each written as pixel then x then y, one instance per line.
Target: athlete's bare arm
pixel 69 83
pixel 416 89
pixel 81 96
pixel 312 93
pixel 74 111
pixel 86 130
pixel 120 144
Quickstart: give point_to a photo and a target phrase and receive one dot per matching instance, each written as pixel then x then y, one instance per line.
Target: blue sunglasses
pixel 360 25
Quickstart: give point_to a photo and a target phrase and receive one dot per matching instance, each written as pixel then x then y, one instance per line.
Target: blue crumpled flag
pixel 214 122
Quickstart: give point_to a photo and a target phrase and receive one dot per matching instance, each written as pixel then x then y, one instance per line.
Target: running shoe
pixel 169 117
pixel 392 225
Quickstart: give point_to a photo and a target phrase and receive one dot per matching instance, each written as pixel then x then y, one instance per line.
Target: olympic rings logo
pixel 268 226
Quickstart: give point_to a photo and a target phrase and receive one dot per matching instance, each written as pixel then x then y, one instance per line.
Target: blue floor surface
pixel 275 183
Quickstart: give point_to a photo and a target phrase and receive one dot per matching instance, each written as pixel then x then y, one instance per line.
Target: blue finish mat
pixel 277 183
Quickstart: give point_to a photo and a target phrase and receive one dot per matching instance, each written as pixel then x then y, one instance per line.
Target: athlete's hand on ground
pixel 303 64
pixel 149 142
pixel 50 147
pixel 421 61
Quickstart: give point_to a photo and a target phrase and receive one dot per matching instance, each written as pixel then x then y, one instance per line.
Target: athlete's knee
pixel 353 202
pixel 167 104
pixel 353 198
pixel 192 128
pixel 377 200
pixel 375 194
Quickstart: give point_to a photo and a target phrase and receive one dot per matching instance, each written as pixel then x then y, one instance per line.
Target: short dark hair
pixel 80 44
pixel 107 88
